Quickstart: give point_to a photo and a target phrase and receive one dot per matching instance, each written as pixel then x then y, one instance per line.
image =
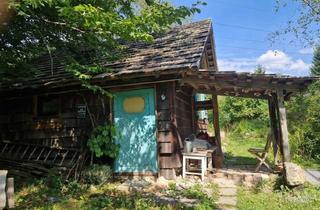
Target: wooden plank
pixel 3 182
pixel 166 148
pixel 283 126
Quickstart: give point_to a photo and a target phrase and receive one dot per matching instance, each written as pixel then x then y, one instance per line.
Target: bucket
pixel 188 146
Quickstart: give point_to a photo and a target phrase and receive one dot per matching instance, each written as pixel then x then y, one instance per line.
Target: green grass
pixel 274 196
pixel 240 138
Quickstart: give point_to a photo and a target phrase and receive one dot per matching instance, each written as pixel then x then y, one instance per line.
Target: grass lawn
pixel 274 196
pixel 236 145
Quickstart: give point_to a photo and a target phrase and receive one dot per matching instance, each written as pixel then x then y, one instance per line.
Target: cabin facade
pixel 47 120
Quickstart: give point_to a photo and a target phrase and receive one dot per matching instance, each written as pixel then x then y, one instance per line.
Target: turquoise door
pixel 134 117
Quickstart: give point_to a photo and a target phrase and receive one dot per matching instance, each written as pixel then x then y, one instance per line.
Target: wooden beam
pixel 283 126
pixel 226 82
pixel 216 124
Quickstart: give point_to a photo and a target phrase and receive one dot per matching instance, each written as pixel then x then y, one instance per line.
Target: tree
pixel 100 28
pixel 304 124
pixel 315 68
pixel 260 70
pixel 304 26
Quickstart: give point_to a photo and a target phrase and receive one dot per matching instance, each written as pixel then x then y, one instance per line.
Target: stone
pixel 53 199
pixel 227 201
pixel 162 183
pixel 221 182
pixel 294 175
pixel 228 191
pixel 188 202
pixel 265 176
pixel 248 178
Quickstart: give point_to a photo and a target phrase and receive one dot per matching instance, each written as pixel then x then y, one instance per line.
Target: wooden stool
pixel 194 156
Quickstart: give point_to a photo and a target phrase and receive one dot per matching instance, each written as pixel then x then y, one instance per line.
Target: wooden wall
pixel 184 111
pixel 174 116
pixel 21 122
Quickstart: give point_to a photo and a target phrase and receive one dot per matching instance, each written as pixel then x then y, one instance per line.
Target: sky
pixel 242 31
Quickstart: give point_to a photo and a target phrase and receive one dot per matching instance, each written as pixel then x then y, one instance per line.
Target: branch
pixel 62 24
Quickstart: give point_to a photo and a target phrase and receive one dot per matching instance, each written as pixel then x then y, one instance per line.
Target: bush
pixel 97 174
pixel 234 110
pixel 304 124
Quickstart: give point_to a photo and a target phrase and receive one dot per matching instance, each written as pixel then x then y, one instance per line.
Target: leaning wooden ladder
pixel 37 159
pixel 262 153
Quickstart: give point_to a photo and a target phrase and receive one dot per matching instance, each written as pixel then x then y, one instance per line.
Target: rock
pixel 228 192
pixel 227 201
pixel 53 199
pixel 294 175
pixel 265 176
pixel 162 183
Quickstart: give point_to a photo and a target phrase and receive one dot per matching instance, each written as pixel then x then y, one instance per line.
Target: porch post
pixel 283 126
pixel 216 123
pixel 274 127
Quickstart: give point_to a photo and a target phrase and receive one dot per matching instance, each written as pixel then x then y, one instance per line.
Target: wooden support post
pixel 274 127
pixel 283 126
pixel 216 123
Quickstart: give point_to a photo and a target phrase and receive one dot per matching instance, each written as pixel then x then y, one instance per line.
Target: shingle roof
pixel 180 47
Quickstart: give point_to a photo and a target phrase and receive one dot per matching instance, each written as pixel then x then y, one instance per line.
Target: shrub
pixel 234 110
pixel 304 123
pixel 102 141
pixel 97 174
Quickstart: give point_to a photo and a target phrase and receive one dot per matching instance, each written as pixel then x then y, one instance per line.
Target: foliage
pixel 273 195
pixel 84 31
pixel 97 174
pixel 234 110
pixel 37 196
pixel 43 193
pixel 315 68
pixel 260 69
pixel 304 123
pixel 102 141
pixel 304 26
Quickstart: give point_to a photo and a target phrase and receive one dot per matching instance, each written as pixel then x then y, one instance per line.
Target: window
pixel 48 105
pixel 133 104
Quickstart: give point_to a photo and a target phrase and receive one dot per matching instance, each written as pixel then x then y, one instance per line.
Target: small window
pixel 48 105
pixel 133 105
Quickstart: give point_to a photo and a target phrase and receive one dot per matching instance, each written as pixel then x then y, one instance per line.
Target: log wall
pixel 21 122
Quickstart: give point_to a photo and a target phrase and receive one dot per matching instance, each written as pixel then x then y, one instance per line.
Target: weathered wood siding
pixel 20 121
pixel 174 116
pixel 184 111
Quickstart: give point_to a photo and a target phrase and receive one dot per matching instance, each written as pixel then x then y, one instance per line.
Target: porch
pixel 274 89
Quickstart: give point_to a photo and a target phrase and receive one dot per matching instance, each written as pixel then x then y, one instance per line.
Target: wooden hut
pixel 47 119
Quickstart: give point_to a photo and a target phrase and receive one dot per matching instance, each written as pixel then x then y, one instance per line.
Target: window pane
pixel 133 104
